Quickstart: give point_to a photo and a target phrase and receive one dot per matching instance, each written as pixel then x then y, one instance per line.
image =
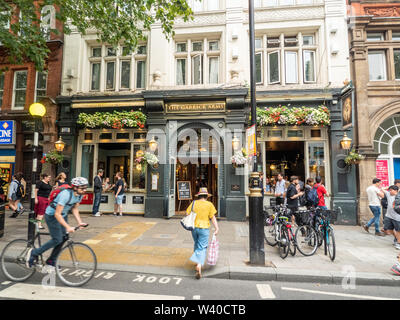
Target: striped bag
pixel 213 251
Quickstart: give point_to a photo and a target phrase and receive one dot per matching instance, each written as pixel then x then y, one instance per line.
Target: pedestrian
pixel 42 193
pixel 280 190
pixel 119 190
pixel 292 197
pixel 391 222
pixel 322 193
pixel 396 267
pixel 107 185
pixel 2 195
pixel 15 193
pixel 261 183
pixel 20 206
pixel 205 211
pixel 375 192
pixel 97 188
pixel 307 188
pixel 60 180
pixel 268 187
pixel 57 221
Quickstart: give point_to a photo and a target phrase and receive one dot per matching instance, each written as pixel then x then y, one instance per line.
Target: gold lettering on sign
pixel 195 107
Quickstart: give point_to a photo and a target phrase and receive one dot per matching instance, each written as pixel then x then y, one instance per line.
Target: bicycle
pixel 286 238
pixel 306 237
pixel 75 265
pixel 325 231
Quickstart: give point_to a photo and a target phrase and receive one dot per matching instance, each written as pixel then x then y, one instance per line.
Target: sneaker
pixel 366 228
pixel 14 215
pixel 380 234
pixel 30 259
pixel 97 214
pixel 397 246
pixel 120 214
pixel 396 269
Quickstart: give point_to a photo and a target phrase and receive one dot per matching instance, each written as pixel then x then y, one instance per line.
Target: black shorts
pixel 390 224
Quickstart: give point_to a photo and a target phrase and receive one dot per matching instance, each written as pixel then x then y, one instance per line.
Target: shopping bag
pixel 188 221
pixel 213 251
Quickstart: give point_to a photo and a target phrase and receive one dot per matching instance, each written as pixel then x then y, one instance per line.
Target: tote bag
pixel 213 251
pixel 188 221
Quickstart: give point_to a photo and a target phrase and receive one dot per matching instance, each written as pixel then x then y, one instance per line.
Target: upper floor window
pixel 377 65
pixel 1 88
pixel 396 54
pixel 19 89
pixel 41 86
pixel 197 62
pixel 117 69
pixel 24 23
pixel 395 36
pixel 47 18
pixel 3 23
pixel 375 36
pixel 204 5
pixel 287 53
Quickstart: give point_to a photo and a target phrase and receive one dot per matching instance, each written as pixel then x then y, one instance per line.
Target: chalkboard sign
pixel 184 190
pixel 104 199
pixel 137 200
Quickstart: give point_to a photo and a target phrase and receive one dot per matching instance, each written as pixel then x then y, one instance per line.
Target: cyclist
pixel 56 218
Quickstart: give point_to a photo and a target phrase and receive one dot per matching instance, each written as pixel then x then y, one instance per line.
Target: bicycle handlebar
pixel 82 226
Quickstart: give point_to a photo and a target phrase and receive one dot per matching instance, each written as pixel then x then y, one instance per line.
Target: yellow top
pixel 205 210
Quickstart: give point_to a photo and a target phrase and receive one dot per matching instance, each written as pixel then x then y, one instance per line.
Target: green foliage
pixel 53 157
pixel 115 120
pixel 353 158
pixel 112 20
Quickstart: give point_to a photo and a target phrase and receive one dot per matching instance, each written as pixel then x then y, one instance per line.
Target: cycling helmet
pixel 79 182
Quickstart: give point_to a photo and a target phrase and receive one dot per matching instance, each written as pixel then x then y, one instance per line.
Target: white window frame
pixel 373 34
pixel 14 89
pixel 279 67
pixel 383 52
pixel 120 74
pixel 36 84
pixel 288 53
pixel 261 66
pixel 91 76
pixel 304 67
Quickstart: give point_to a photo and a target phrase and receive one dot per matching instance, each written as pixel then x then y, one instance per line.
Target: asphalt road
pixel 111 285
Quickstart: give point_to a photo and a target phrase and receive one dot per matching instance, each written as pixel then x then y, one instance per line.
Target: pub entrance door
pixel 199 175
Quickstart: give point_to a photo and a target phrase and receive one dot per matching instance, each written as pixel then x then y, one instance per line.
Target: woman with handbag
pixel 205 211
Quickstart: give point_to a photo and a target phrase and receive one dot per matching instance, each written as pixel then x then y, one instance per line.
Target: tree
pixel 22 23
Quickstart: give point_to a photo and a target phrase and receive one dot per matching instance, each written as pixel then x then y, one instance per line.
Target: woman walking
pixel 42 193
pixel 205 211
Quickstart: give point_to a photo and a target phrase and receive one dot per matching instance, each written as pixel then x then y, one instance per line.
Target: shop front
pixel 7 153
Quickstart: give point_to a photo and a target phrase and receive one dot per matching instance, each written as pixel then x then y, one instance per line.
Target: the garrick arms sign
pixel 195 107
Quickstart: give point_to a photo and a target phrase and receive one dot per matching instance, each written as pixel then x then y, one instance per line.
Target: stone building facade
pixel 374 35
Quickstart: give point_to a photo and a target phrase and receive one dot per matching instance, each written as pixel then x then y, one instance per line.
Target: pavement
pixel 163 247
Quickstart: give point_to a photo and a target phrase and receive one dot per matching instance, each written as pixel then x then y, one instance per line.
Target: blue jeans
pixel 57 233
pixel 96 202
pixel 376 211
pixel 200 237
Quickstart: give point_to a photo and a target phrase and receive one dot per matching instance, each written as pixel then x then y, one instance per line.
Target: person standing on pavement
pixel 374 193
pixel 15 193
pixel 60 180
pixel 280 190
pixel 307 188
pixel 97 188
pixel 42 193
pixel 292 196
pixel 205 211
pixel 322 193
pixel 391 222
pixel 119 190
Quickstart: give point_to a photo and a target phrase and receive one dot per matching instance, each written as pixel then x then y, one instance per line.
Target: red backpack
pixel 56 192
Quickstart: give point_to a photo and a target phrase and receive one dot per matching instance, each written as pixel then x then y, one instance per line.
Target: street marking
pixel 265 291
pixel 119 235
pixel 5 283
pixel 338 294
pixel 196 297
pixel 39 292
pixel 92 241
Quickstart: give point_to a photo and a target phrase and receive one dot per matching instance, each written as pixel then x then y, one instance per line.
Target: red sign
pixel 87 198
pixel 382 172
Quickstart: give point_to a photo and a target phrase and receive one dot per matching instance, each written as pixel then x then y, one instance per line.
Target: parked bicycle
pixel 75 266
pixel 325 231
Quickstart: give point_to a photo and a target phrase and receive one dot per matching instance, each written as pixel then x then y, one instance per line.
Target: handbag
pixel 213 251
pixel 188 221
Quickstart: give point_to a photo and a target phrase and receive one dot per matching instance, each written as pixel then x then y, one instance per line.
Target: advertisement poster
pixel 251 140
pixel 382 172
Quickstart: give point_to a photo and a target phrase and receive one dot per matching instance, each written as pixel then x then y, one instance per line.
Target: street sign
pixel 7 132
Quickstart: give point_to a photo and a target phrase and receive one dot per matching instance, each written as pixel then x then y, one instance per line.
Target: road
pixel 111 285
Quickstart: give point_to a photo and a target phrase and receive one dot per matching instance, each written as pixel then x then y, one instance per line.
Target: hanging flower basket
pixel 283 115
pixel 353 158
pixel 53 157
pixel 239 159
pixel 115 120
pixel 147 159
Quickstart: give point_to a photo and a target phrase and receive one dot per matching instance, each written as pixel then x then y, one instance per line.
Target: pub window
pixel 87 162
pixel 138 174
pixel 139 135
pixel 315 133
pixel 316 156
pixel 295 133
pixel 123 135
pixel 88 136
pixel 19 92
pixel 106 136
pixel 275 134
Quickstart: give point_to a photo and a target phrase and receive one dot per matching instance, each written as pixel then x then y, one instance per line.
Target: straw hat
pixel 203 191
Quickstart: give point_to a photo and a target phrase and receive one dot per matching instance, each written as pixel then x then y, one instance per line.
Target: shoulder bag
pixel 188 221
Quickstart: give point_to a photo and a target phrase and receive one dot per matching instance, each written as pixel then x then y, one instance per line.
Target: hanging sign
pixel 382 172
pixel 7 132
pixel 251 140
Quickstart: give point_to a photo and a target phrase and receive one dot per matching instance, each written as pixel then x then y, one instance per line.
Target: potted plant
pixel 53 157
pixel 353 158
pixel 239 158
pixel 114 120
pixel 147 159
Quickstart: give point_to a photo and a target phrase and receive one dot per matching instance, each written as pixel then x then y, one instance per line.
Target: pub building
pixel 193 131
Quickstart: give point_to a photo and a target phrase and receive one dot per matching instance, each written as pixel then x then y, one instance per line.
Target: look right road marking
pixel 265 291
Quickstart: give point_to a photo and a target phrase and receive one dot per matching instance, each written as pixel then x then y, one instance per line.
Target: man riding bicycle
pixel 56 217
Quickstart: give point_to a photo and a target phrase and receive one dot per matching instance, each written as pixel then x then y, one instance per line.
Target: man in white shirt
pixel 280 190
pixel 374 193
pixel 391 223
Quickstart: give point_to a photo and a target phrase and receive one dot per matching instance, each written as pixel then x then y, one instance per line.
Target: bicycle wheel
pixel 270 234
pixel 292 242
pixel 283 243
pixel 330 243
pixel 306 240
pixel 13 261
pixel 76 264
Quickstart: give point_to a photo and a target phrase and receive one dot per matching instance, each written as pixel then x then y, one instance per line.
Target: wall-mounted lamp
pixel 272 167
pixel 60 145
pixel 235 143
pixel 345 142
pixel 153 144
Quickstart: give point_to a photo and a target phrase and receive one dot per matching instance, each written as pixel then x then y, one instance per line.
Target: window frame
pixel 296 60
pixel 304 67
pixel 279 67
pixel 14 89
pixel 385 67
pixel 36 85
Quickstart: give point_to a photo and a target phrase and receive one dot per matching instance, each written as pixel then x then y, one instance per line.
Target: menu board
pixel 184 190
pixel 382 172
